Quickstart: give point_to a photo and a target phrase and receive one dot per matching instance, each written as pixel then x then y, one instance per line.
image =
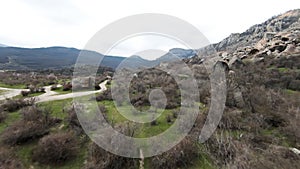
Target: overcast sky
pixel 71 23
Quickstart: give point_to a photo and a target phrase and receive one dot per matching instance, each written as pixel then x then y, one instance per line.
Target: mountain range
pixel 1 45
pixel 14 58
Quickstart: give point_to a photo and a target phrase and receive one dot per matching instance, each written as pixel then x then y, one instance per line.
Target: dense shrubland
pixel 259 124
pixel 35 123
pixel 55 149
pixel 261 121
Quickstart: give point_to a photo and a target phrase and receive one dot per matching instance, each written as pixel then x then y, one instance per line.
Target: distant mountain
pixel 1 45
pixel 14 58
pixel 177 53
pixel 60 57
pixel 135 62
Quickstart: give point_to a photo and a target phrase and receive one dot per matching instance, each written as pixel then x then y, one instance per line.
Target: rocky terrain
pixel 262 106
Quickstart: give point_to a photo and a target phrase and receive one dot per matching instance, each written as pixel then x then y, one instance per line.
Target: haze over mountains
pixel 14 58
pixel 1 45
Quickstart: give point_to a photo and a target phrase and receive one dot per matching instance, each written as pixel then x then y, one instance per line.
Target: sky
pixel 71 23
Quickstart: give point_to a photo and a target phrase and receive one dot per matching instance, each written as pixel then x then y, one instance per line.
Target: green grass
pixel 146 129
pixel 201 162
pixel 19 86
pixel 283 69
pixel 290 92
pixel 60 91
pixel 35 94
pixel 11 118
pixel 24 153
pixel 274 133
pixel 30 95
pixel 57 107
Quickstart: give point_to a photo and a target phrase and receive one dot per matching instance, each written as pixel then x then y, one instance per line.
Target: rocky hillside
pixel 278 36
pixel 287 23
pixel 260 124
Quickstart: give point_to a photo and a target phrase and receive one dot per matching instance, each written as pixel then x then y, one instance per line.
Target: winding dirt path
pixel 9 93
pixel 50 95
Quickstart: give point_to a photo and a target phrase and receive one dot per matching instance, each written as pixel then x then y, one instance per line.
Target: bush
pixel 232 119
pixel 175 114
pixel 54 87
pixel 294 85
pixel 34 124
pixel 11 105
pixel 55 149
pixel 106 95
pixel 180 156
pixel 102 108
pixel 73 121
pixel 8 160
pixel 275 157
pixel 67 87
pixel 25 93
pixel 99 158
pixel 169 119
pixel 3 116
pixel 221 146
pixel 154 122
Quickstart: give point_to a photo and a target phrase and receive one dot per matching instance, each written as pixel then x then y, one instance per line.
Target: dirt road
pixel 50 95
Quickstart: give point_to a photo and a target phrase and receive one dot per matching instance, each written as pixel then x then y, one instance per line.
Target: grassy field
pixel 60 91
pixel 58 108
pixel 20 86
pixel 24 153
pixel 11 118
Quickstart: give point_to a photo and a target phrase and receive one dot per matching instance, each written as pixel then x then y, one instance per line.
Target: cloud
pixel 35 23
pixel 137 44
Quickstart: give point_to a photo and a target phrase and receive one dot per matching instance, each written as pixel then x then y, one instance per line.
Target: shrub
pixel 275 157
pixel 3 116
pixel 99 158
pixel 106 95
pixel 97 87
pixel 175 114
pixel 12 105
pixel 8 160
pixel 55 149
pixel 154 122
pixel 34 124
pixel 25 93
pixel 67 87
pixel 294 85
pixel 54 87
pixel 102 108
pixel 169 119
pixel 232 119
pixel 221 147
pixel 180 156
pixel 73 121
pixel 22 131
